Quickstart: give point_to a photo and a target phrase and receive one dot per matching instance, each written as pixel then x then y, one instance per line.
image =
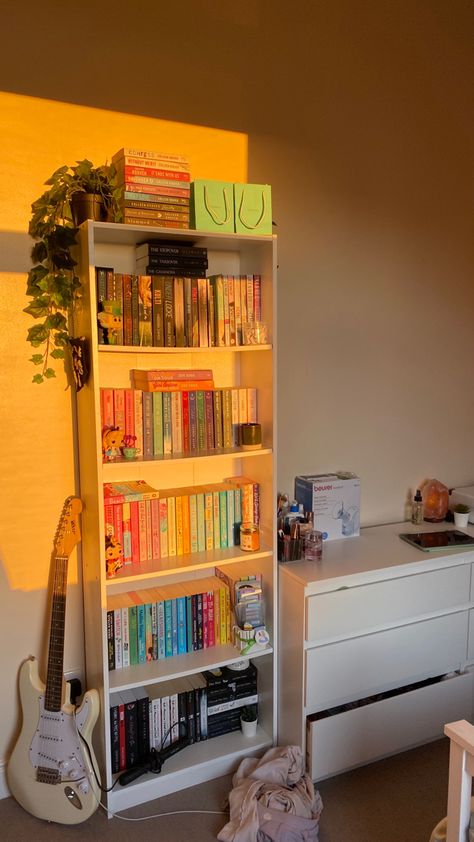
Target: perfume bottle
pixel 417 508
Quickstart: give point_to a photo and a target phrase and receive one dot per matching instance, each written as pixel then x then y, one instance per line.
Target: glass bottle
pixel 417 508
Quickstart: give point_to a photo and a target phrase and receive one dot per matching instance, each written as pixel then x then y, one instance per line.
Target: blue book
pixel 160 610
pixel 174 626
pixel 168 629
pixel 181 613
pixel 141 634
pixel 189 623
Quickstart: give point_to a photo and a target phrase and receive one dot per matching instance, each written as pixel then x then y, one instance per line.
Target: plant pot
pixel 249 729
pixel 87 206
pixel 461 519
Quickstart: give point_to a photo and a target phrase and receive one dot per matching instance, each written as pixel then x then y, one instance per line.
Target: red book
pixel 128 171
pixel 135 530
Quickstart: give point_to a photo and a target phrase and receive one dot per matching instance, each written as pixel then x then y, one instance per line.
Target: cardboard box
pixel 335 501
pixel 253 208
pixel 212 205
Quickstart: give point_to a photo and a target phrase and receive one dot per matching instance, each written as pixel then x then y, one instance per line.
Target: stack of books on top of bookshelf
pixel 156 257
pixel 155 188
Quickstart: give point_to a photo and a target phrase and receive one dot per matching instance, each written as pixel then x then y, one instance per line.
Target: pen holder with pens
pixel 290 549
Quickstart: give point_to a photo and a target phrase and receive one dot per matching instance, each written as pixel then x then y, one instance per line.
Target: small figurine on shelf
pixel 113 555
pixel 128 447
pixel 112 438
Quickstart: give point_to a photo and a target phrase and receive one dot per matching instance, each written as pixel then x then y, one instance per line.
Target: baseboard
pixel 4 791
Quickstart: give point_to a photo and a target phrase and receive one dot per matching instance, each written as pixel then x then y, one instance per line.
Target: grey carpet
pixel 399 799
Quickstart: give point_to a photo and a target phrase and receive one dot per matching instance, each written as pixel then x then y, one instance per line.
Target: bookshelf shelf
pixel 197 763
pixel 128 468
pixel 137 350
pixel 243 367
pixel 179 665
pixel 182 564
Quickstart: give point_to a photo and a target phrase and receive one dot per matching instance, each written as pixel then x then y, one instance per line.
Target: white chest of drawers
pixel 375 641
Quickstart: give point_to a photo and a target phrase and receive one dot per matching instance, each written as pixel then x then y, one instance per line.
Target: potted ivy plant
pixel 461 514
pixel 53 284
pixel 248 720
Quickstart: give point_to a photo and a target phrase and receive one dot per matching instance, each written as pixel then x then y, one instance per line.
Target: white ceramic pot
pixel 249 729
pixel 461 519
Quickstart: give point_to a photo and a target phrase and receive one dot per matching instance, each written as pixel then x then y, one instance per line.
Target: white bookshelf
pixel 105 244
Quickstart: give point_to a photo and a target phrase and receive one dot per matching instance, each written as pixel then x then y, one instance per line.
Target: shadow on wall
pixel 15 250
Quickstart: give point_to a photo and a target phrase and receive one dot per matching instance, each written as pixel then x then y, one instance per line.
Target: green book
pixel 201 420
pixel 158 423
pixel 223 518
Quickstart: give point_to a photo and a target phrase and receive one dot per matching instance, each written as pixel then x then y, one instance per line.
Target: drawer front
pixel 359 667
pixel 359 736
pixel 470 647
pixel 353 610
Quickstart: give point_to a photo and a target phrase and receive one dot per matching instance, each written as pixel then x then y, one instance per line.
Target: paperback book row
pixel 175 309
pixel 182 421
pixel 159 622
pixel 143 524
pixel 154 188
pixel 199 707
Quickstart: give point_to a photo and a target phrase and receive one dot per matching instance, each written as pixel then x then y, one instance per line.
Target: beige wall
pixel 361 117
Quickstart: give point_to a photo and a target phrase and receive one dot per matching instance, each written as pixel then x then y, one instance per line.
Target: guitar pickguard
pixel 56 751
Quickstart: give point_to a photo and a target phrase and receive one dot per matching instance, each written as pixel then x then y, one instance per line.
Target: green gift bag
pixel 212 205
pixel 253 208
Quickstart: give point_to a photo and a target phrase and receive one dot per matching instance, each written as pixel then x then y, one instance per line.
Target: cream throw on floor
pixel 267 794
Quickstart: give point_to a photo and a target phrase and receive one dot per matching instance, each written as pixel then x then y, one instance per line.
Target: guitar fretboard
pixel 54 679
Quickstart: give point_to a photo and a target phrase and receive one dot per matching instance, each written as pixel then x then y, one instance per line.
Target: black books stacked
pixel 228 691
pixel 155 188
pixel 156 257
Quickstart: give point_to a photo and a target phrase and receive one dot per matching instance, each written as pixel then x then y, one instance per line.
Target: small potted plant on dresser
pixel 461 513
pixel 248 720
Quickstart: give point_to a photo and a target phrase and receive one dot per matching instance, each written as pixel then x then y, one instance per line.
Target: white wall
pixel 361 116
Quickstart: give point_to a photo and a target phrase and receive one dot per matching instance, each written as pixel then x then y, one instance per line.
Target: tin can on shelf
pixel 249 537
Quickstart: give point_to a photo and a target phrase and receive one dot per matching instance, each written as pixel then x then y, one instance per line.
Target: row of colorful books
pixel 155 188
pixel 164 309
pixel 157 623
pixel 142 719
pixel 176 422
pixel 178 521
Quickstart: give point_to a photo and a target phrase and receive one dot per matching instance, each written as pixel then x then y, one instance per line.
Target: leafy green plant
pixel 249 713
pixel 462 509
pixel 52 283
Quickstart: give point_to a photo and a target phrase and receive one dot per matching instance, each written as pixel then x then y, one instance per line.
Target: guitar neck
pixel 54 679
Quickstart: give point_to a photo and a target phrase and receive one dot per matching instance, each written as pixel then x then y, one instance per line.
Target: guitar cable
pixel 139 818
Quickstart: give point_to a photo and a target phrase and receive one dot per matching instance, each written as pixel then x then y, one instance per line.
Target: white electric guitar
pixel 50 772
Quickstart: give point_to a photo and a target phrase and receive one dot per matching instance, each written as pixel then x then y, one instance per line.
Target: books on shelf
pixel 198 706
pixel 177 416
pixel 178 521
pixel 169 302
pixel 168 620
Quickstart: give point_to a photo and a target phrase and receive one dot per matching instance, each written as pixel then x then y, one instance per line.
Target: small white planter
pixel 249 729
pixel 461 519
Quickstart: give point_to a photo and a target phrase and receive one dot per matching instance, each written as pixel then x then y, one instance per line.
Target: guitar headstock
pixel 68 533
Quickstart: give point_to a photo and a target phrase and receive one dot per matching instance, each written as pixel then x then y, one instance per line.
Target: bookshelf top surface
pixel 119 234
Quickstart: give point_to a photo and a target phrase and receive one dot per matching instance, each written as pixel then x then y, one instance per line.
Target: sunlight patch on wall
pixel 37 137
